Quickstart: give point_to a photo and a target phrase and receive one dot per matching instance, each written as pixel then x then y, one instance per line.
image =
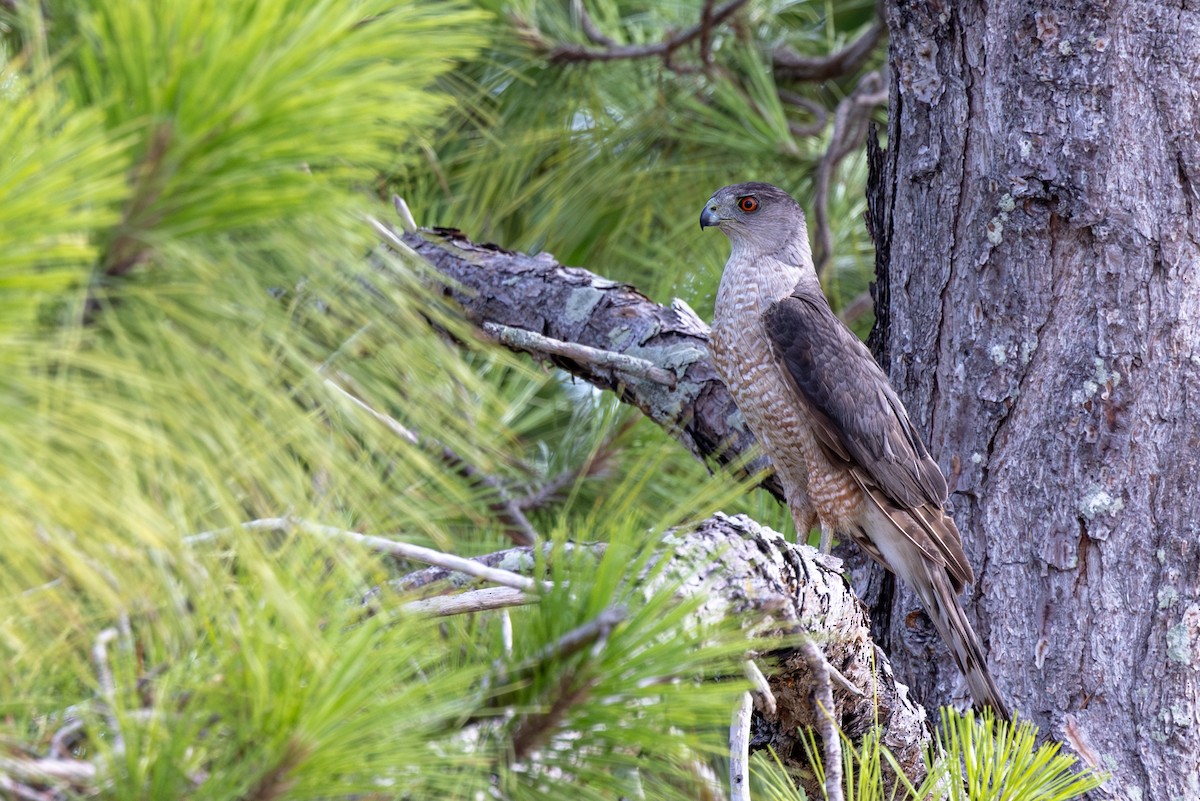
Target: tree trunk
pixel 1040 315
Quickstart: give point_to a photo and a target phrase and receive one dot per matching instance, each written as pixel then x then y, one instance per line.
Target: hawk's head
pixel 755 215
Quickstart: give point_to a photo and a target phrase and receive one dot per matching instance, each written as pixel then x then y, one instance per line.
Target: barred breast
pixel 743 358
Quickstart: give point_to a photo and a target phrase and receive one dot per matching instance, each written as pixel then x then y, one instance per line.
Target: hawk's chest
pixel 742 355
pixel 739 337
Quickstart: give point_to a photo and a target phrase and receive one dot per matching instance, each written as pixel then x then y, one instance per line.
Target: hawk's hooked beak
pixel 709 217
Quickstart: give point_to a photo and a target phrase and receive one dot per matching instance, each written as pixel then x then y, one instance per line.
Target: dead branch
pixel 739 749
pixel 484 600
pixel 818 112
pixel 72 772
pixel 827 723
pixel 781 593
pixel 507 510
pixel 590 29
pixel 521 340
pixel 849 130
pixel 709 18
pixel 392 547
pixel 790 65
pixel 568 304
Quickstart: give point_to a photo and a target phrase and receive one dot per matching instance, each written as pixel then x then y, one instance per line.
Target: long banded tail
pixel 948 616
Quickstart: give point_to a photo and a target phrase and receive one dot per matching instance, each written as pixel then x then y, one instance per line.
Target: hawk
pixel 839 438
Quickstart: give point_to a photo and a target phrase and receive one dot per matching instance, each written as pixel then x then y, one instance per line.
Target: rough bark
pixel 1041 319
pixel 781 593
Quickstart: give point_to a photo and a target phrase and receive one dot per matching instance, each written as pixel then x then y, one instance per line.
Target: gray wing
pixel 859 417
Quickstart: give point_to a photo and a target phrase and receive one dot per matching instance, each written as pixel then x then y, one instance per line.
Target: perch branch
pixel 782 593
pixel 530 292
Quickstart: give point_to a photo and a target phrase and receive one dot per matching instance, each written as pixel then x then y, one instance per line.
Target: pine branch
pixel 780 592
pixel 709 18
pixel 790 65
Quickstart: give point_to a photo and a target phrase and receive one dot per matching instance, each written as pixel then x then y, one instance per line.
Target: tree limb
pixel 781 593
pixel 709 18
pixel 790 65
pixel 568 304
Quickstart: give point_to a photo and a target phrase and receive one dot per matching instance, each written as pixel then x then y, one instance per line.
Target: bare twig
pixel 392 239
pixel 388 422
pixel 575 640
pixel 12 789
pixel 568 53
pixel 462 603
pixel 761 688
pixel 506 634
pixel 595 465
pixel 739 749
pixel 404 550
pixel 73 772
pixel 519 529
pixel 849 130
pixel 840 680
pixel 820 115
pixel 407 221
pixel 108 686
pixel 546 493
pixel 706 27
pixel 590 29
pixel 533 729
pixel 521 339
pixel 517 559
pixel 830 737
pixel 790 65
pixel 60 743
pixel 858 308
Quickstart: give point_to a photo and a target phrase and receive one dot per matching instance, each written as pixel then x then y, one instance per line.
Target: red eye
pixel 748 203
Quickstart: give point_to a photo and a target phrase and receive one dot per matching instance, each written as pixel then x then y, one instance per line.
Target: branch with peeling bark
pixel 569 305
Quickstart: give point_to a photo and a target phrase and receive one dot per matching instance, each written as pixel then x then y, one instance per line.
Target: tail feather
pixel 948 616
pixel 894 539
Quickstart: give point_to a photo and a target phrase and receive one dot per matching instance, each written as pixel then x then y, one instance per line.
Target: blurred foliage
pixel 189 286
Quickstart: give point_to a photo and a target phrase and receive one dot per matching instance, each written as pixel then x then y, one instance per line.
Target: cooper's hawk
pixel 840 440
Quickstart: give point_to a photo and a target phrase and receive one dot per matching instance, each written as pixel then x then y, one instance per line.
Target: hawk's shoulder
pixel 859 417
